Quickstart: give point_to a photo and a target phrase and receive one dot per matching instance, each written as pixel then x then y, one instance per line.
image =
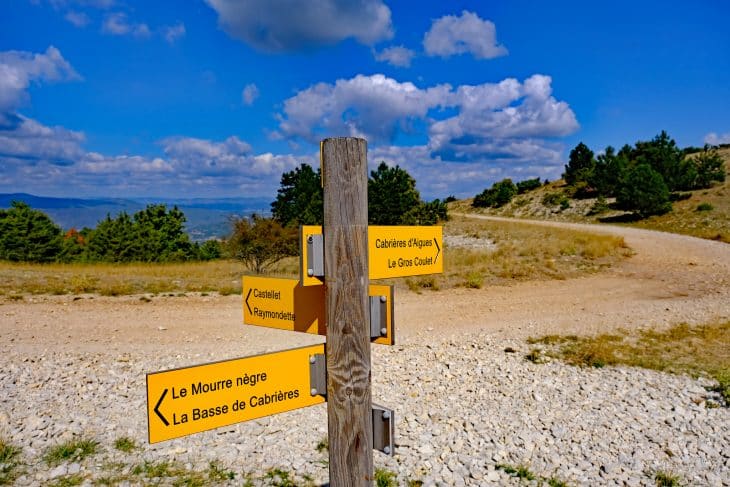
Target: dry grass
pixel 221 276
pixel 523 252
pixel 695 350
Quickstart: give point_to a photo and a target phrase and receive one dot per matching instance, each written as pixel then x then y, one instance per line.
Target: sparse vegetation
pixel 523 472
pixel 535 356
pixel 696 350
pixel 75 450
pixel 667 479
pixel 279 478
pixel 705 207
pixel 519 471
pixel 125 444
pixel 8 461
pixel 322 445
pixel 385 478
pixel 67 481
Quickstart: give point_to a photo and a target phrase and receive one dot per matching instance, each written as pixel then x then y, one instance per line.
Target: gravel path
pixel 463 405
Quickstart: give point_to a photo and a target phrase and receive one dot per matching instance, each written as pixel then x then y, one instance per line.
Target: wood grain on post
pixel 349 403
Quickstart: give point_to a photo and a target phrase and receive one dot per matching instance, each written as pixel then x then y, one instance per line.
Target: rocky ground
pixel 465 407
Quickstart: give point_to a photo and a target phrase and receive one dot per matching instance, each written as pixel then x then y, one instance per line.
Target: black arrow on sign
pixel 157 408
pixel 438 251
pixel 249 307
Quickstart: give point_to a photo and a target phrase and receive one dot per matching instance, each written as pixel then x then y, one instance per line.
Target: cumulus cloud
pixel 473 134
pixel 396 55
pixel 451 35
pixel 369 106
pixel 172 33
pixel 505 110
pixel 377 107
pixel 118 24
pixel 438 176
pixel 78 19
pixel 292 25
pixel 19 68
pixel 714 139
pixel 37 158
pixel 249 94
pixel 28 141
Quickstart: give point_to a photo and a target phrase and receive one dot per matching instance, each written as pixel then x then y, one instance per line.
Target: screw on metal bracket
pixel 318 375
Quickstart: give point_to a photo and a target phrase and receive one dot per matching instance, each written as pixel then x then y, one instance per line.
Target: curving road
pixel 670 279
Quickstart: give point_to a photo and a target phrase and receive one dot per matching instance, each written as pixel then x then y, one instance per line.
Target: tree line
pixel 154 234
pixel 644 178
pixel 157 234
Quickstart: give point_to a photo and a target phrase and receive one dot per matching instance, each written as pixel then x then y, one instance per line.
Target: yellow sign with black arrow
pixel 189 400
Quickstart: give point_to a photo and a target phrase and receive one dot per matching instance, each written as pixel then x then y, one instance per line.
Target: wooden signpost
pixel 334 298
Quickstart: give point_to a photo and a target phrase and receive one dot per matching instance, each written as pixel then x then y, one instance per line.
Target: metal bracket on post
pixel 383 422
pixel 378 317
pixel 315 255
pixel 318 375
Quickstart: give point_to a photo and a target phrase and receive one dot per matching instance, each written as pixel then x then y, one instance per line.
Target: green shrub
pixel 705 207
pixel 497 196
pixel 644 192
pixel 528 185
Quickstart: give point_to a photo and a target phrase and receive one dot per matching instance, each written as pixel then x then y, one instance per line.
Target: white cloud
pixel 714 139
pixel 27 141
pixel 249 94
pixel 438 177
pixel 504 110
pixel 19 68
pixel 371 106
pixel 396 55
pixel 78 19
pixel 473 135
pixel 118 24
pixel 292 25
pixel 377 107
pixel 45 160
pixel 451 35
pixel 174 32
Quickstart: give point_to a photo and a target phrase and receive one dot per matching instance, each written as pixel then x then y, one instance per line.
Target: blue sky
pixel 216 98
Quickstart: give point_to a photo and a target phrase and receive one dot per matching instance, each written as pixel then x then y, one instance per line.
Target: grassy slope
pixel 684 218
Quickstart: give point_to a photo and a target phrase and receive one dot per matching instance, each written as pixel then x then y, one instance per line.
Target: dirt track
pixel 670 279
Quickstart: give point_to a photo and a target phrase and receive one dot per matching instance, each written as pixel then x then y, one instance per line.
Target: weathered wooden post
pixel 349 403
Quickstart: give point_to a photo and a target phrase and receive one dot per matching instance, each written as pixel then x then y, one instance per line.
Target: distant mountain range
pixel 206 217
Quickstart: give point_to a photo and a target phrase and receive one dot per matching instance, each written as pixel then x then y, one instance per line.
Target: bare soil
pixel 670 279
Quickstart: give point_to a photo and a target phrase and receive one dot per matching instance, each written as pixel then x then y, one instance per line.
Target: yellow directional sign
pixel 393 251
pixel 287 305
pixel 270 302
pixel 404 251
pixel 185 401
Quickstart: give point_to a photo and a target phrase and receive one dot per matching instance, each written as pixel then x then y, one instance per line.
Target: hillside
pixel 685 218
